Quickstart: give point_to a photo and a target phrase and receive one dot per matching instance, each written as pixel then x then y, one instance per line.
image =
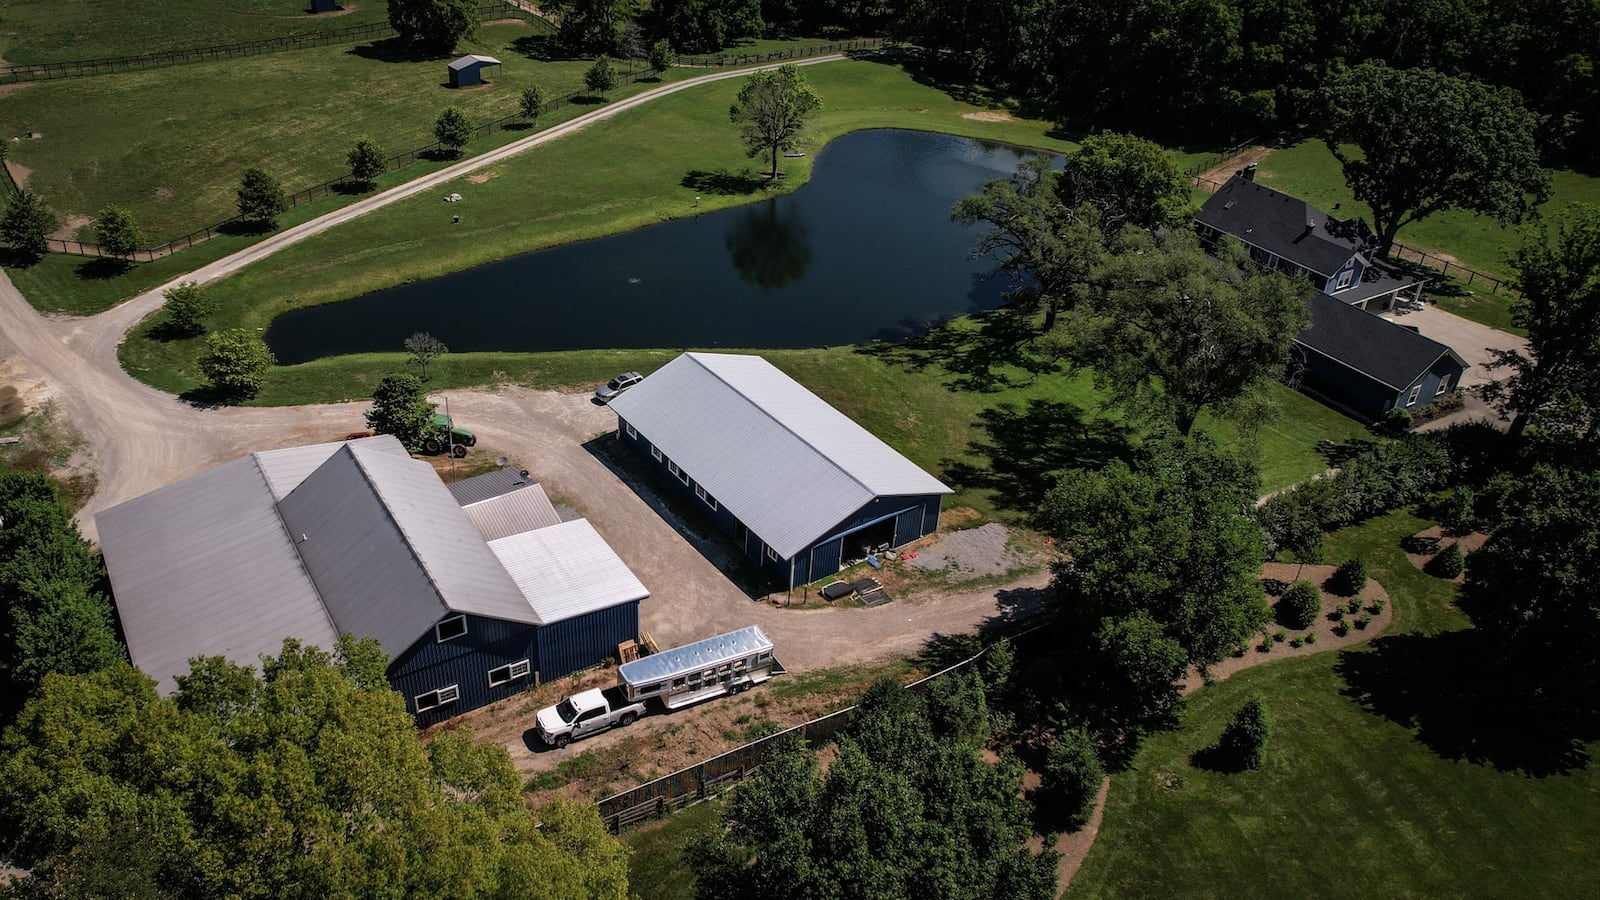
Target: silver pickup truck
pixel 586 713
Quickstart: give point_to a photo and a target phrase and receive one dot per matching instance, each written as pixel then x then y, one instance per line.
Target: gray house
pixel 471 598
pixel 798 486
pixel 469 69
pixel 1348 354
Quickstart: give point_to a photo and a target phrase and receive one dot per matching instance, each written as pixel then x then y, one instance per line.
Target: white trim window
pixel 632 432
pixel 773 555
pixel 700 491
pixel 678 472
pixel 508 673
pixel 1444 384
pixel 436 699
pixel 655 452
pixel 1344 279
pixel 1415 393
pixel 450 629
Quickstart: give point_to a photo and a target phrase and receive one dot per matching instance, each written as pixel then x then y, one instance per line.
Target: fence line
pixel 432 151
pixel 11 187
pixel 1216 159
pixel 76 69
pixel 702 780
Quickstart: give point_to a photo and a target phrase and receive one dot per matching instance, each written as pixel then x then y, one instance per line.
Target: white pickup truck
pixel 586 713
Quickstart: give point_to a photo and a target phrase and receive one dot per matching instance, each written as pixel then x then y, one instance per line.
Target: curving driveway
pixel 141 439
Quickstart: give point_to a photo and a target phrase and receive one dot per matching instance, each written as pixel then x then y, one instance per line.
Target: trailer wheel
pixel 563 740
pixel 628 719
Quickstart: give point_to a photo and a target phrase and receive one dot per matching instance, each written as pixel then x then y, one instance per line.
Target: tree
pixel 366 162
pixel 1131 180
pixel 452 129
pixel 400 407
pixel 295 781
pixel 1429 142
pixel 236 362
pixel 118 233
pixel 1243 743
pixel 261 198
pixel 1300 605
pixel 26 224
pixel 661 57
pixel 1071 778
pixel 590 26
pixel 1554 381
pixel 705 26
pixel 601 77
pixel 1177 332
pixel 1447 562
pixel 187 308
pixel 424 348
pixel 434 26
pixel 771 110
pixel 531 103
pixel 908 808
pixel 1166 534
pixel 1350 579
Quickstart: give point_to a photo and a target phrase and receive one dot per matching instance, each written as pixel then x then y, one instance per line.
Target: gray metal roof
pixel 286 468
pixel 567 570
pixel 489 485
pixel 694 657
pixel 514 513
pixel 784 462
pixel 390 550
pixel 473 59
pixel 204 567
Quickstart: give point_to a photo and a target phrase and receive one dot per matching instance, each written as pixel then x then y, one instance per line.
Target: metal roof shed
pixel 468 70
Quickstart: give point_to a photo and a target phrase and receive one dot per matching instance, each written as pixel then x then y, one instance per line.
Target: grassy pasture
pixel 46 31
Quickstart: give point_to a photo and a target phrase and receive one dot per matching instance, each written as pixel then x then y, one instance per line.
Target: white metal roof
pixel 204 567
pixel 472 58
pixel 567 570
pixel 777 456
pixel 694 657
pixel 521 510
pixel 286 468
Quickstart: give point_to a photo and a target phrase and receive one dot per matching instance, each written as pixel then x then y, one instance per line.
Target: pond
pixel 865 251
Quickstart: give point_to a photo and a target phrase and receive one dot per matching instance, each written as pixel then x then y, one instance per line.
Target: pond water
pixel 865 251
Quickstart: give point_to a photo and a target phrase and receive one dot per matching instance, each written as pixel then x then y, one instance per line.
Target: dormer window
pixel 450 628
pixel 1345 278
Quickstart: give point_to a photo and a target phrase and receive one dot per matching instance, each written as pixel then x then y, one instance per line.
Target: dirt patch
pixel 1420 547
pixel 12 406
pixel 164 192
pixel 1074 847
pixel 19 172
pixel 481 177
pixel 974 553
pixel 989 116
pixel 1224 170
pixel 15 86
pixel 69 231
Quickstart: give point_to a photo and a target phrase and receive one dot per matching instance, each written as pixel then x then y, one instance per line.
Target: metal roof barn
pixel 468 70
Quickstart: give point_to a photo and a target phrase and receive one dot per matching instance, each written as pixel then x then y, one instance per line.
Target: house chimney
pixel 1250 171
pixel 1311 225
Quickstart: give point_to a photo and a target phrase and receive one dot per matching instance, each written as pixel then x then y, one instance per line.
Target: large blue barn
pixel 797 485
pixel 474 591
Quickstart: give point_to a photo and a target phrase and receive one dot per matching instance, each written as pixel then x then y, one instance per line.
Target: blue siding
pixel 1368 396
pixel 584 641
pixel 428 665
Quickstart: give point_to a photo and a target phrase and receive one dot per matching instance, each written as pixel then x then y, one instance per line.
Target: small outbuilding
pixel 468 70
pixel 322 6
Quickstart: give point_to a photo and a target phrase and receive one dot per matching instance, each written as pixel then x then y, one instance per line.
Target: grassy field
pixel 43 31
pixel 656 868
pixel 1310 172
pixel 1351 802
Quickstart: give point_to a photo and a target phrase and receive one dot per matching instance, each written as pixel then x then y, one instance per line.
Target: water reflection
pixel 770 247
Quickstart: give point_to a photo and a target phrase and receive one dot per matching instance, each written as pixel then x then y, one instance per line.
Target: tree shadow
pixel 1215 759
pixel 542 47
pixel 439 154
pixel 1337 453
pixel 11 258
pixel 723 183
pixel 393 50
pixel 588 100
pixel 103 268
pixel 353 188
pixel 1025 446
pixel 1462 709
pixel 208 396
pixel 241 227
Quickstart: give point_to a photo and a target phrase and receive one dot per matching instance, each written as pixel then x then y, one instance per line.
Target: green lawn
pixel 1310 172
pixel 42 31
pixel 1350 803
pixel 656 869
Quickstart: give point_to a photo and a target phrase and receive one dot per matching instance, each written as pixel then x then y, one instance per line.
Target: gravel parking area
pixel 974 553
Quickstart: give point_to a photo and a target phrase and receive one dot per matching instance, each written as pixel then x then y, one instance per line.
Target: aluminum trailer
pixel 725 664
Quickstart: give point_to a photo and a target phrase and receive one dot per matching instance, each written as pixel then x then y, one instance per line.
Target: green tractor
pixel 443 435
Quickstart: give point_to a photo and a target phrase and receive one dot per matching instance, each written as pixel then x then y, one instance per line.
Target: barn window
pixel 440 697
pixel 451 628
pixel 631 431
pixel 656 452
pixel 512 672
pixel 773 555
pixel 681 474
pixel 701 493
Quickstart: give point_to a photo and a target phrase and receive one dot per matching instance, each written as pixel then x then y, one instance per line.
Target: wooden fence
pixel 432 151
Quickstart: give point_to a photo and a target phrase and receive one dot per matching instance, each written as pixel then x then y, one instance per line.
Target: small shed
pixel 322 6
pixel 468 70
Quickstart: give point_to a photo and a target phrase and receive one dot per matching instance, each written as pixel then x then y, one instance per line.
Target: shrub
pixel 1397 417
pixel 1266 644
pixel 1337 615
pixel 1377 606
pixel 1071 777
pixel 1341 629
pixel 1363 621
pixel 366 162
pixel 1299 605
pixel 236 362
pixel 1311 637
pixel 1244 741
pixel 1456 509
pixel 187 308
pixel 1447 563
pixel 1350 578
pixel 1279 636
pixel 1352 606
pixel 1296 642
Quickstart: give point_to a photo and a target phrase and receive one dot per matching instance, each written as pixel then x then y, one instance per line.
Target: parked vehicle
pixel 444 435
pixel 726 664
pixel 609 391
pixel 587 713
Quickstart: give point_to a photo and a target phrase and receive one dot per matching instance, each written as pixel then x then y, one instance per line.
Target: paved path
pixel 142 439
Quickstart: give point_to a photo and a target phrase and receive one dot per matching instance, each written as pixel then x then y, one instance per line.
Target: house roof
pixel 567 570
pixel 513 513
pixel 787 464
pixel 1283 225
pixel 489 485
pixel 473 59
pixel 1376 347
